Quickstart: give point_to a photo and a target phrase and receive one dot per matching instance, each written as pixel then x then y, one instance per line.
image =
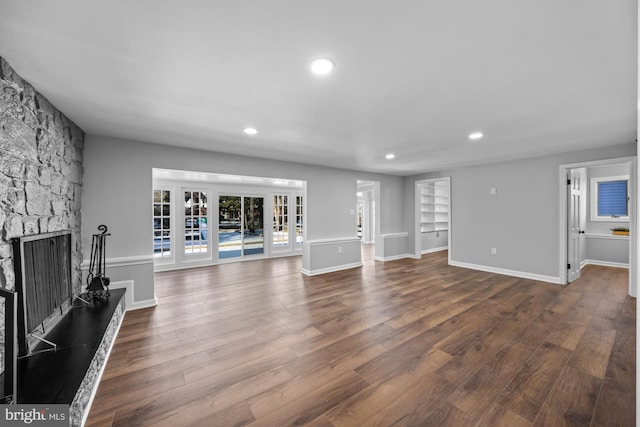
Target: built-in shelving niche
pixel 434 206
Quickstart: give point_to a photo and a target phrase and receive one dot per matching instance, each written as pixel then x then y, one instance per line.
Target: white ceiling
pixel 412 77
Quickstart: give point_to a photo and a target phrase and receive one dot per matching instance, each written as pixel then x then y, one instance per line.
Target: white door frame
pixel 372 188
pixel 633 217
pixel 417 232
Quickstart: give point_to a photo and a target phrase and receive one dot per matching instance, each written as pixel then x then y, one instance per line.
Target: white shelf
pixel 434 206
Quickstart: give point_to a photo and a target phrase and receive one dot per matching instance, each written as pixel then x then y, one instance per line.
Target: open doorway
pixel 366 216
pixel 433 213
pixel 240 226
pixel 598 218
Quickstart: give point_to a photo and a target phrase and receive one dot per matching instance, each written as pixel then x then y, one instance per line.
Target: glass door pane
pixel 161 223
pixel 195 222
pixel 229 227
pixel 253 225
pixel 299 208
pixel 280 221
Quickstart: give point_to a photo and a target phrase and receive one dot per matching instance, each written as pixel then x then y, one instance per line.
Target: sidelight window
pixel 280 220
pixel 161 223
pixel 195 222
pixel 299 208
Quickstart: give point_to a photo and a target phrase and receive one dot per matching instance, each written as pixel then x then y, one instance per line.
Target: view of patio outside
pixel 195 222
pixel 162 223
pixel 280 220
pixel 240 226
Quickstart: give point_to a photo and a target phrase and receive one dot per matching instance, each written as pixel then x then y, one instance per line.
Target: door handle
pixel 581 231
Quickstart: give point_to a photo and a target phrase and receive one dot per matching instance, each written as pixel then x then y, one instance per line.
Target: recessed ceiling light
pixel 390 156
pixel 476 135
pixel 250 131
pixel 322 66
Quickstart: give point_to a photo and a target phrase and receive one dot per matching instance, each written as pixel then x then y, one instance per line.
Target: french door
pixel 573 229
pixel 240 226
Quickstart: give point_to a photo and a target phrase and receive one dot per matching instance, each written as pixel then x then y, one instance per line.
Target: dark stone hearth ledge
pixel 70 375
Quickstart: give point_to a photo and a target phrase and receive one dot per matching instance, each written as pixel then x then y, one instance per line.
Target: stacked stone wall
pixel 40 172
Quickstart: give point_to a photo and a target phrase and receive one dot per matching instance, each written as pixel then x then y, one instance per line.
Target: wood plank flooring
pixel 402 343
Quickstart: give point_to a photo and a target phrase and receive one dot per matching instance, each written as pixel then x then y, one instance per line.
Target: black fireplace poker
pixel 97 282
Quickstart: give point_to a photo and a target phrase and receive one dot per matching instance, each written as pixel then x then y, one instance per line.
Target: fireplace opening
pixel 42 264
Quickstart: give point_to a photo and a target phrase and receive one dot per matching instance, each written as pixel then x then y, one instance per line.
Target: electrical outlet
pixel 494 251
pixel 339 249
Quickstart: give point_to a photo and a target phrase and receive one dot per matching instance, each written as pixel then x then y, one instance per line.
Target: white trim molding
pixel 506 272
pixel 330 269
pixel 130 304
pixel 394 257
pixel 606 236
pixel 122 261
pixel 432 250
pixel 604 263
pixel 317 242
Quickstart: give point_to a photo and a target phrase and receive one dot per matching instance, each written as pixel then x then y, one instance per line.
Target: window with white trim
pixel 280 220
pixel 161 223
pixel 195 222
pixel 299 208
pixel 610 198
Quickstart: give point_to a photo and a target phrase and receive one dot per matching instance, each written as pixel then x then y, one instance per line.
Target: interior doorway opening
pixel 433 215
pixel 588 228
pixel 367 216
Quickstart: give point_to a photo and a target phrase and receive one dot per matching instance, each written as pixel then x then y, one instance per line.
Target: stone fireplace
pixel 40 173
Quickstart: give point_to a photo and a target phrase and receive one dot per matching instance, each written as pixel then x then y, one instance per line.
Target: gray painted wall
pixel 434 239
pixel 608 250
pixel 118 183
pixel 521 220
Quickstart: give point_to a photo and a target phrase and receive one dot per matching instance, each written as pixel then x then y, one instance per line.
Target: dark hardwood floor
pixel 407 342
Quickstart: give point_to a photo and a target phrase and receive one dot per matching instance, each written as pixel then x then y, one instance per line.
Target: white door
pixel 573 227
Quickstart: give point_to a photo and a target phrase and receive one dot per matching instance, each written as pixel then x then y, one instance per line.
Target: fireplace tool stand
pixel 97 282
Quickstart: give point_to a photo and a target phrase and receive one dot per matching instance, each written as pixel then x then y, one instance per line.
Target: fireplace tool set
pixel 97 282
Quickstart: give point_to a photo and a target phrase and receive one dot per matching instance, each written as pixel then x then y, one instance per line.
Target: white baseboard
pixel 144 304
pixel 284 254
pixel 432 250
pixel 514 273
pixel 605 263
pixel 393 257
pixel 130 304
pixel 319 271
